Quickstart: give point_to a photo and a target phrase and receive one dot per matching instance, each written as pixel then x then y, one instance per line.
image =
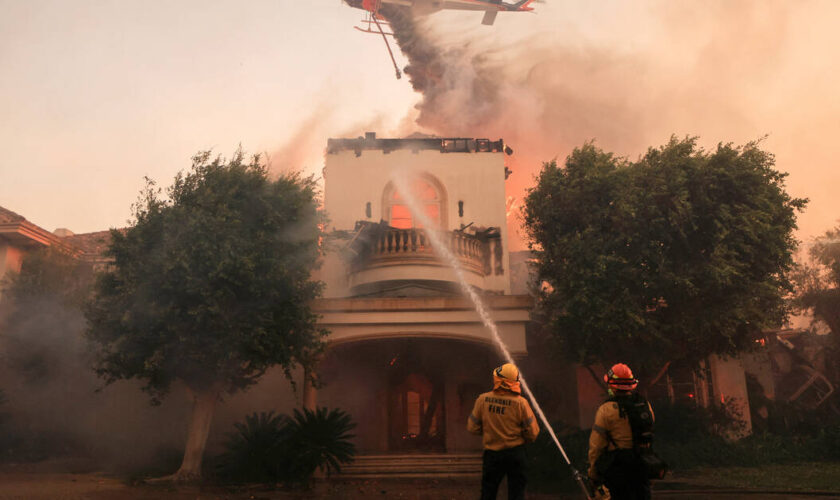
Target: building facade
pixel 407 351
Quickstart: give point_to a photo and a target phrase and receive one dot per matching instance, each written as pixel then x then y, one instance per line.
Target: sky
pixel 97 94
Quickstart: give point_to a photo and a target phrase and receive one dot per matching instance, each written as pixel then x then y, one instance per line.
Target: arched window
pixel 426 194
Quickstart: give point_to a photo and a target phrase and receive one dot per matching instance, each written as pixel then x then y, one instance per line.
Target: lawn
pixel 812 476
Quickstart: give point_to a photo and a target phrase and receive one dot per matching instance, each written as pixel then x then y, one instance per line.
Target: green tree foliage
pixel 211 284
pixel 818 281
pixel 42 315
pixel 676 256
pixel 49 273
pixel 44 363
pixel 818 291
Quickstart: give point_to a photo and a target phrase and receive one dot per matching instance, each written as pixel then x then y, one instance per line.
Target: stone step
pixel 466 466
pixel 428 457
pixel 413 466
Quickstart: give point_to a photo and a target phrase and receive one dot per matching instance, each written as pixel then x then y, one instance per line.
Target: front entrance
pixel 416 397
pixel 407 395
pixel 416 417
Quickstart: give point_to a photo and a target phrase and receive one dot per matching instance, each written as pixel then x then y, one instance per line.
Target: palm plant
pixel 320 439
pixel 256 452
pixel 269 448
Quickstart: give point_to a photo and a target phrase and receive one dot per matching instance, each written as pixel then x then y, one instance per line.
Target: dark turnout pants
pixel 510 462
pixel 626 477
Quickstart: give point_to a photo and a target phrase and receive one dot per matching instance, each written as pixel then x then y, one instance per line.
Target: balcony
pixel 384 254
pixel 402 246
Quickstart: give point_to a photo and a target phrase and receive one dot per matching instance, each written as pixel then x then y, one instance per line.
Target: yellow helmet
pixel 507 371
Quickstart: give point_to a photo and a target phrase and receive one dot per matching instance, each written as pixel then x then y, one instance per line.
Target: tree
pixel 818 290
pixel 43 354
pixel 210 287
pixel 676 256
pixel 42 323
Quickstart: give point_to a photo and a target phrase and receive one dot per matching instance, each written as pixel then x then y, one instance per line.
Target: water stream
pixel 401 182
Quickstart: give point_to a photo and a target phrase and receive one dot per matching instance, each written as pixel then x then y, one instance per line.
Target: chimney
pixel 370 136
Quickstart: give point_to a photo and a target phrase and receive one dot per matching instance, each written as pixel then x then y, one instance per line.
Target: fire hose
pixel 401 186
pixel 581 479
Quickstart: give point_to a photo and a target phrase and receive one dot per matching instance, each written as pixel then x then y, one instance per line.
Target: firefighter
pixel 623 425
pixel 506 422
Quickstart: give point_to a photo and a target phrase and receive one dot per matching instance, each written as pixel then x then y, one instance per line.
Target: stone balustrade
pixel 402 246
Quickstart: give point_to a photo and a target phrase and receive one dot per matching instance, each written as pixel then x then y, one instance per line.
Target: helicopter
pixel 374 21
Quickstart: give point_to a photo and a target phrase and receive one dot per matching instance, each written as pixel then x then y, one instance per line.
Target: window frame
pixel 388 202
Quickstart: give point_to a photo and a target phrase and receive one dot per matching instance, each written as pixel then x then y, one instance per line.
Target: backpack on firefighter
pixel 638 413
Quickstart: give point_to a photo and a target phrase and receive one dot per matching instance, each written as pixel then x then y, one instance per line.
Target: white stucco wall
pixel 477 179
pixel 729 383
pixel 353 320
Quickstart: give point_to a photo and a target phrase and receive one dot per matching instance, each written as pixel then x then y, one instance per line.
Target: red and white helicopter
pixel 421 7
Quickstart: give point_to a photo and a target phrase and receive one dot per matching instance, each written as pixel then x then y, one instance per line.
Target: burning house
pixel 407 351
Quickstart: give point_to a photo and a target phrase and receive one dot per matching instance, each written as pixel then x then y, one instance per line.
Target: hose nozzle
pixel 584 483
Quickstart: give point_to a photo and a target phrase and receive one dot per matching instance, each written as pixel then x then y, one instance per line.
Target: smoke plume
pixel 725 71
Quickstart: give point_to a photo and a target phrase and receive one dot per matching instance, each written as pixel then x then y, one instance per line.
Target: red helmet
pixel 620 377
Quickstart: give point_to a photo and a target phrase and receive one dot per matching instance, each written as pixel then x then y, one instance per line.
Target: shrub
pixel 680 422
pixel 828 439
pixel 687 436
pixel 256 452
pixel 20 443
pixel 269 448
pixel 23 445
pixel 320 439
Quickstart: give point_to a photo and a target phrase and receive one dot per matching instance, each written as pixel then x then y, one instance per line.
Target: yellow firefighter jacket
pixel 505 420
pixel 609 422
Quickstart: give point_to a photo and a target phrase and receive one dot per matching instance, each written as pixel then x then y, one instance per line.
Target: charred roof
pixel 7 216
pixel 417 143
pixel 93 244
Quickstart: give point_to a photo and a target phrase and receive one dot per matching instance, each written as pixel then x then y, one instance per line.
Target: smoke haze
pixel 57 409
pixel 725 71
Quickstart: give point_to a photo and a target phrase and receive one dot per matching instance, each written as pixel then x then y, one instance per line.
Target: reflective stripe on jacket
pixel 504 419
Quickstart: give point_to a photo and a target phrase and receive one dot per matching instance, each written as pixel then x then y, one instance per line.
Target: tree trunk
pixel 204 406
pixel 597 380
pixel 310 393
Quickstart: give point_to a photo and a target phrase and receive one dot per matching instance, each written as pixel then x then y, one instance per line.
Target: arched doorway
pixel 416 408
pixel 408 395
